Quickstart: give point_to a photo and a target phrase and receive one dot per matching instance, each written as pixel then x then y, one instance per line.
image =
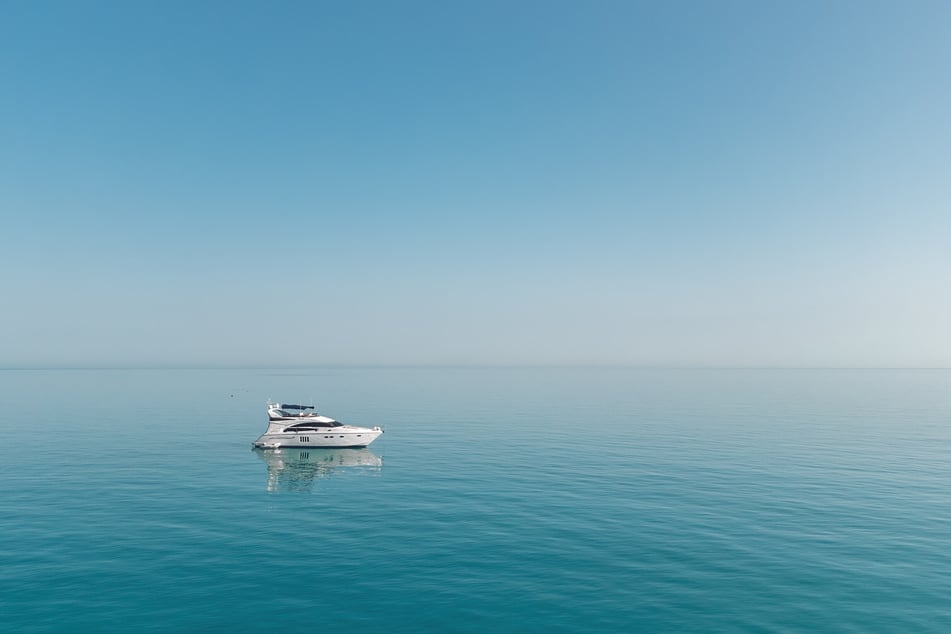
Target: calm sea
pixel 502 500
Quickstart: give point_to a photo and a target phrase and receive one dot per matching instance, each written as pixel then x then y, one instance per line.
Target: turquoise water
pixel 515 500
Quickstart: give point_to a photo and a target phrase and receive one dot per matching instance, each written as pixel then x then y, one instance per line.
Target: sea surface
pixel 498 500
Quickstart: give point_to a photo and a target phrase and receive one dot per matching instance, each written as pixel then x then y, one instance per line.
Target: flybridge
pixel 285 411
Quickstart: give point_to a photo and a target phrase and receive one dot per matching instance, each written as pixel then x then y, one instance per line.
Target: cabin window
pixel 313 425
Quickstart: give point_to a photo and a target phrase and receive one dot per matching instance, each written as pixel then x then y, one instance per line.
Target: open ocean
pixel 498 500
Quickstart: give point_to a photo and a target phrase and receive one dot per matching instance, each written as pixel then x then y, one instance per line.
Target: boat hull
pixel 338 438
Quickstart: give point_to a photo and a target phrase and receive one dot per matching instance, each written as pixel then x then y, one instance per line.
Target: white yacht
pixel 301 426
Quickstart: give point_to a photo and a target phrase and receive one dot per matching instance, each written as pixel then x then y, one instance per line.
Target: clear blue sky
pixel 674 183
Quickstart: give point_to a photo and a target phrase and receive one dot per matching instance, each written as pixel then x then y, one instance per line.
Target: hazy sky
pixel 676 183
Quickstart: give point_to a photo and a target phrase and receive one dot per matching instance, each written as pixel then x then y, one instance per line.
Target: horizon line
pixel 299 366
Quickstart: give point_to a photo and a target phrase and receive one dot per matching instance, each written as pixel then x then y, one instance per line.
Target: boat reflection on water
pixel 297 469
